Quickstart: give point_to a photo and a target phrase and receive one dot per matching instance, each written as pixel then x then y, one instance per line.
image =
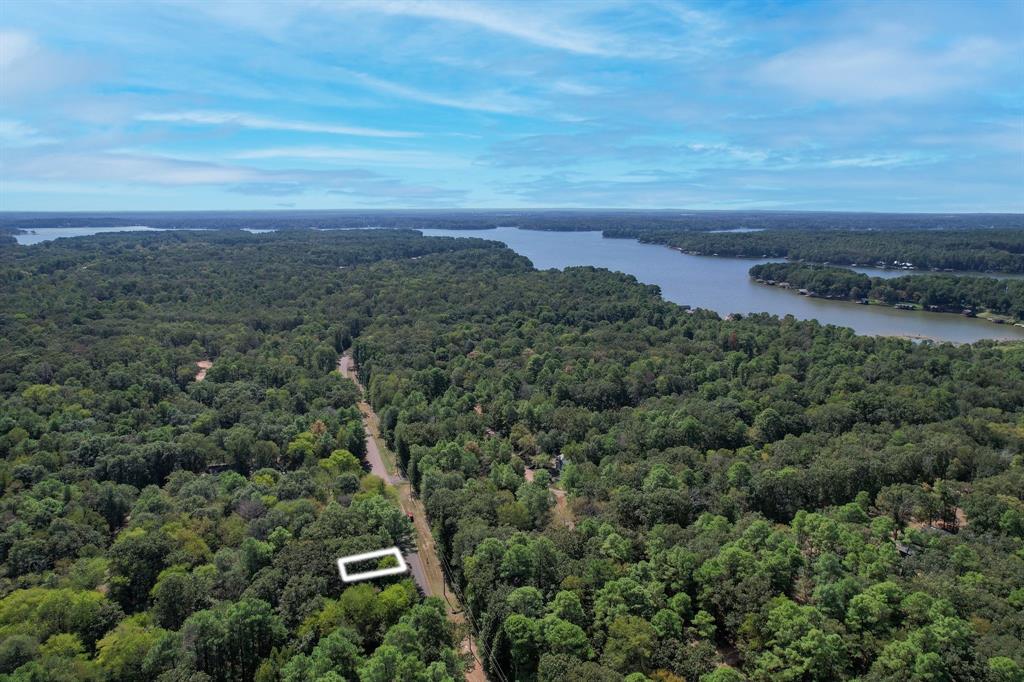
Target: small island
pixel 999 300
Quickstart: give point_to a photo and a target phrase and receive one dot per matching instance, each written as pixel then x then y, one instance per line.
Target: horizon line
pixel 608 209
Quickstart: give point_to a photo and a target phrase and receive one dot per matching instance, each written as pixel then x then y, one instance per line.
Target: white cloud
pixel 262 123
pixel 878 67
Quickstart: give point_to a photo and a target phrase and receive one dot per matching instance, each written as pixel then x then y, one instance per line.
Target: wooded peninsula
pixel 932 292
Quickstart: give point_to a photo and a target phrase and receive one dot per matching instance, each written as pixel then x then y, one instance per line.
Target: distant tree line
pixel 975 250
pixel 631 221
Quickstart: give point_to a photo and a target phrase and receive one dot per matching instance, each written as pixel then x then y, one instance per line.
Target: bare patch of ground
pixel 204 367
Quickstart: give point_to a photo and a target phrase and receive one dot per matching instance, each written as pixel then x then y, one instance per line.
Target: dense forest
pixel 941 292
pixel 997 250
pixel 621 489
pixel 772 494
pixel 123 557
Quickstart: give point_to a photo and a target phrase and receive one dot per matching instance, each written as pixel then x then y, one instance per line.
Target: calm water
pixel 51 233
pixel 722 284
pixel 889 274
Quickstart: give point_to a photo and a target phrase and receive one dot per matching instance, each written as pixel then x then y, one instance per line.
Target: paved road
pixel 424 563
pixel 373 453
pixel 379 469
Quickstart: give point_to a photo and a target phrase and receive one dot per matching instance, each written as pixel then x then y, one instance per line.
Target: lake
pixel 887 273
pixel 723 285
pixel 50 233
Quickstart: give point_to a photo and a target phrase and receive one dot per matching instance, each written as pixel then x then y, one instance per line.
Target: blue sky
pixel 770 105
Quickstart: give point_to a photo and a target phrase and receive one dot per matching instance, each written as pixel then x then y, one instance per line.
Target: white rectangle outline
pixel 368 575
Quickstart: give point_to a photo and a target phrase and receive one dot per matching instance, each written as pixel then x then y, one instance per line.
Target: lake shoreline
pixel 719 284
pixel 982 315
pixel 722 285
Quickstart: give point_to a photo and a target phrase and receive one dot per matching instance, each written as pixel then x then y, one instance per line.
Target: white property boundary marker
pixel 368 575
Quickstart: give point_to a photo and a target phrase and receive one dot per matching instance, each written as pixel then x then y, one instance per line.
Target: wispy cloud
pixel 17 134
pixel 729 151
pixel 27 67
pixel 269 189
pixel 623 145
pixel 15 46
pixel 108 168
pixel 226 118
pixel 550 150
pixel 483 102
pixel 877 161
pixel 495 101
pixel 397 157
pixel 878 67
pixel 407 193
pixel 569 87
pixel 514 20
pixel 119 167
